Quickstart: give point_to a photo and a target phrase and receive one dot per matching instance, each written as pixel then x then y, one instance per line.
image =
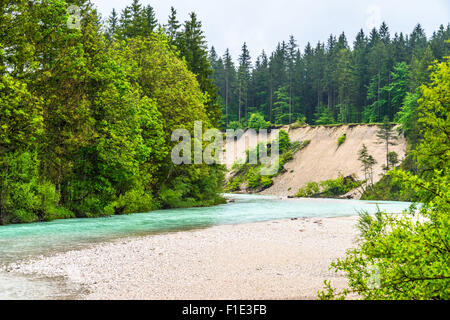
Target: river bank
pixel 322 159
pixel 287 259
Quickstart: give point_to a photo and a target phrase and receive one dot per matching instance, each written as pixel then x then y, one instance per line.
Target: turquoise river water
pixel 19 242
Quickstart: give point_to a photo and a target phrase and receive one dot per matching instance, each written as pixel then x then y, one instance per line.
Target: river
pixel 25 241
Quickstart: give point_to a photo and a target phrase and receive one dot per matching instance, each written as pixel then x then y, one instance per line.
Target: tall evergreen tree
pixel 192 46
pixel 243 82
pixel 230 84
pixel 173 25
pixel 112 25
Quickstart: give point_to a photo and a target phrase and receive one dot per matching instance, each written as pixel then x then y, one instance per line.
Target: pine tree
pixel 384 33
pixel 419 68
pixel 230 79
pixel 192 46
pixel 281 106
pixel 440 48
pixel 400 49
pixel 367 163
pixel 398 87
pixel 243 82
pixel 417 41
pixel 173 26
pixel 292 48
pixel 218 76
pixel 112 25
pixel 360 58
pixel 388 136
pixel 150 21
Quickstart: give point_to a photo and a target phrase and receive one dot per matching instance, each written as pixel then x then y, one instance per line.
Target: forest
pixel 88 104
pixel 329 83
pixel 87 112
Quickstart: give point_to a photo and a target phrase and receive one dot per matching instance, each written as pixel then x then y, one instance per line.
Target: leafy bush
pixel 309 190
pixel 339 186
pixel 300 122
pixel 283 141
pixel 234 184
pixel 253 178
pixel 388 189
pixel 298 146
pixel 266 181
pixel 329 188
pixel 18 188
pixel 257 122
pixel 173 197
pixel 285 157
pixel 342 139
pixel 135 201
pixel 48 203
pixel 235 125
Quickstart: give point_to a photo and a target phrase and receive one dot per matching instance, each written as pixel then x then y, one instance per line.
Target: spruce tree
pixel 112 25
pixel 192 46
pixel 243 82
pixel 387 135
pixel 173 26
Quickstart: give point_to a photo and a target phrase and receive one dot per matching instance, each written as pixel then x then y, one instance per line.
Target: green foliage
pixel 410 252
pixel 283 141
pixel 388 189
pixel 407 117
pixel 369 115
pixel 332 82
pixel 257 122
pixel 329 188
pixel 234 184
pixel 342 139
pixel 393 158
pixel 367 163
pixel 281 106
pixel 324 116
pixel 91 118
pixel 339 186
pixel 253 178
pixel 48 200
pixel 311 189
pixel 134 201
pixel 266 182
pixel 300 122
pixel 235 125
pixel 398 88
pixel 18 188
pixel 368 223
pixel 387 135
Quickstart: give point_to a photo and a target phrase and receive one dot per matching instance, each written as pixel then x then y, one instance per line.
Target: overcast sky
pixel 263 23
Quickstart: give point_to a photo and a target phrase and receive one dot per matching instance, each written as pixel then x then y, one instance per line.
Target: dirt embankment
pixel 322 159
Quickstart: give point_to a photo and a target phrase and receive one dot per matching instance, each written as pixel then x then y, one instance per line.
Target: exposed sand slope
pixel 270 260
pixel 323 160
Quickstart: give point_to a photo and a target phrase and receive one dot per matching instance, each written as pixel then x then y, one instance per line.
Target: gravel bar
pixel 286 259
